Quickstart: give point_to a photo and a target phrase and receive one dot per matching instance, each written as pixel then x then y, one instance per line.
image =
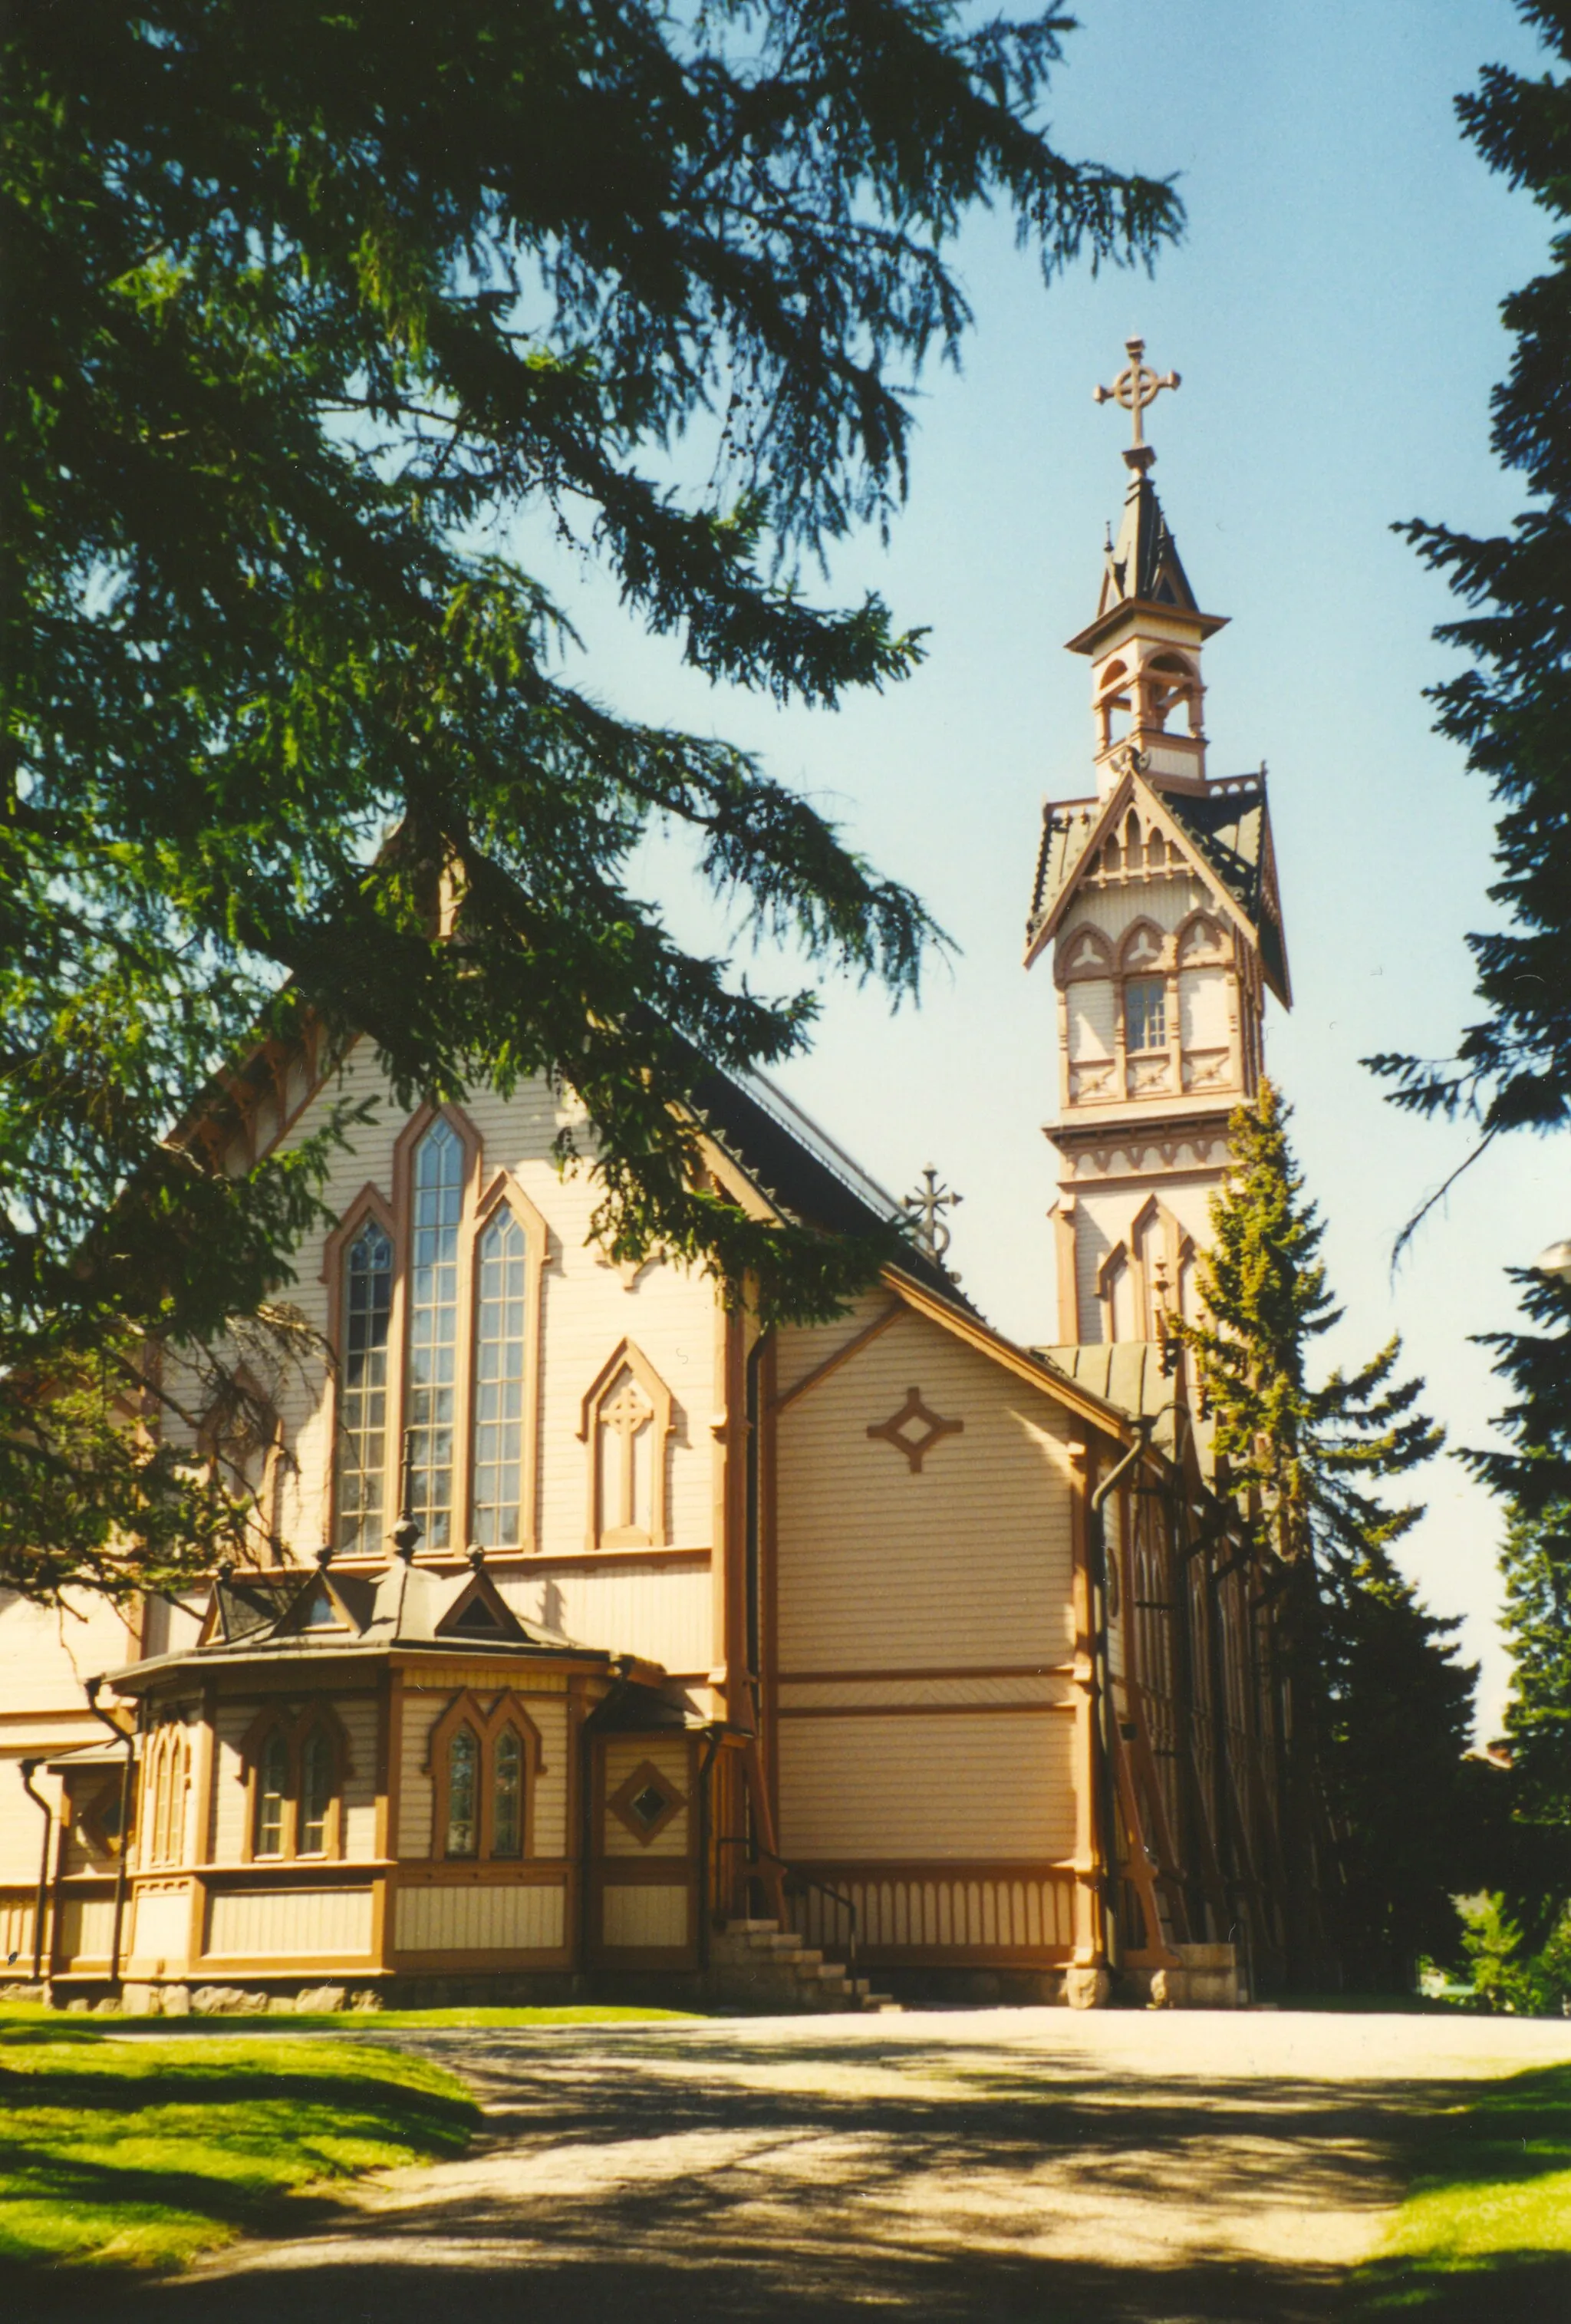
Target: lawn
pixel 1485 2231
pixel 142 2153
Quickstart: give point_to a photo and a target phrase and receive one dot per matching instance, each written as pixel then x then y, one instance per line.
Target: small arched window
pixel 294 1765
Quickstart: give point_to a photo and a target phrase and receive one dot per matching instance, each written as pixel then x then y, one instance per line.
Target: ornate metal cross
pixel 925 1209
pixel 1134 388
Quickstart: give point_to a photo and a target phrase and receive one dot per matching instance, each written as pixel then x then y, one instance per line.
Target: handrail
pixel 797 1878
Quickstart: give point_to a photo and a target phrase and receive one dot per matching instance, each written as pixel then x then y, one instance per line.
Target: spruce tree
pixel 310 314
pixel 1379 1706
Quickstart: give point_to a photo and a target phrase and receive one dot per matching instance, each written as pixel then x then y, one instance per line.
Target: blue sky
pixel 1334 312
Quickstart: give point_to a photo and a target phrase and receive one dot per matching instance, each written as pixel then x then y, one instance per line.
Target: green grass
pixel 142 2153
pixel 1486 2229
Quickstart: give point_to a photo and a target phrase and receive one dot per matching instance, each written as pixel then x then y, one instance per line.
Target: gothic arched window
pixel 272 1795
pixel 483 1764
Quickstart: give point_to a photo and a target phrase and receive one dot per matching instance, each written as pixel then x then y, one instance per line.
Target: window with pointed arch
pixel 165 1787
pixel 437 1300
pixel 484 1762
pixel 294 1766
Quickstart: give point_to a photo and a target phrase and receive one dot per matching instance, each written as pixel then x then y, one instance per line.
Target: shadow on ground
pixel 733 2178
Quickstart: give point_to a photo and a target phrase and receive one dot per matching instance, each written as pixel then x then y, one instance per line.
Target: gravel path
pixel 980 2165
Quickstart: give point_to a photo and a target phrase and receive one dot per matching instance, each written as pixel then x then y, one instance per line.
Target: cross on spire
pixel 1134 388
pixel 925 1210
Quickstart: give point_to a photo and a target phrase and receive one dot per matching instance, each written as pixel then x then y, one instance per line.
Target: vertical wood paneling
pixel 87 1928
pixel 480 1919
pixel 253 1923
pixel 160 1927
pixel 644 1915
pixel 927 1912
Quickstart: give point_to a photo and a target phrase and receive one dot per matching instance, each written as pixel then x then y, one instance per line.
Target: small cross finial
pixel 1134 388
pixel 925 1211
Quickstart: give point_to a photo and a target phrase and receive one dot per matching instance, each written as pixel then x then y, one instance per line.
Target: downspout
pixel 711 1752
pixel 122 1865
pixel 30 1768
pixel 1104 1791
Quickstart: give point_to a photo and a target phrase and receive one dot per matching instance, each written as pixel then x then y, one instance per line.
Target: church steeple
pixel 1144 643
pixel 1158 899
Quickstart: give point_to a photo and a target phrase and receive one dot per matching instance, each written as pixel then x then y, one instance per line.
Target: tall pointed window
pixel 438 1204
pixel 316 1792
pixel 499 1382
pixel 1145 1013
pixel 463 1793
pixel 507 1794
pixel 362 1397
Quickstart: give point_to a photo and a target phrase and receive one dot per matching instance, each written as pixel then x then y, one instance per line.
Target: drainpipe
pixel 122 1870
pixel 30 1768
pixel 1105 1786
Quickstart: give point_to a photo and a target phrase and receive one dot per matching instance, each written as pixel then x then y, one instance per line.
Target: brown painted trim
pixel 768 1453
pixel 296 1730
pixel 874 1956
pixel 515 1959
pixel 465 1709
pixel 538 1561
pixel 919 1710
pixel 450 1872
pixel 947 1670
pixel 853 1347
pixel 1056 1386
pixel 1001 1868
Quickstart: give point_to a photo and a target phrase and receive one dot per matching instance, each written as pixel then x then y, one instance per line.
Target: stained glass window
pixel 463 1788
pixel 506 1795
pixel 362 1400
pixel 438 1202
pixel 498 1383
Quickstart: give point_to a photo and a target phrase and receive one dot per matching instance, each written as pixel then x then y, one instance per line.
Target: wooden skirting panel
pixel 937 1913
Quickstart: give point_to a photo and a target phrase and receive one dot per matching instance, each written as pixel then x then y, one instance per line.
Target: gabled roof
pixel 1128 1374
pixel 1224 830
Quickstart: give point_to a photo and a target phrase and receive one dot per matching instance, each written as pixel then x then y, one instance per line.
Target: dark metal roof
pixel 1143 562
pixel 1230 826
pixel 801 1171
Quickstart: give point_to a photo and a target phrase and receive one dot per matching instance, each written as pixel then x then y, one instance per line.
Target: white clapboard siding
pixel 644 1915
pixel 624 1755
pixel 663 1609
pixel 251 1923
pixel 993 1784
pixel 480 1919
pixel 967 1561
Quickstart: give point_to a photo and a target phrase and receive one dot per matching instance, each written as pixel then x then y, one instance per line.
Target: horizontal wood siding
pixel 424 1707
pixel 882 1568
pixel 250 1923
pixel 480 1919
pixel 662 1609
pixel 643 1916
pixel 997 1783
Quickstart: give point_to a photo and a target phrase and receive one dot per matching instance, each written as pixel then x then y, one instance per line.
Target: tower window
pixel 1145 1013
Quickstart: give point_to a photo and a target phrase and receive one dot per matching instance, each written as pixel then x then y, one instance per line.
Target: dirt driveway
pixel 981 2165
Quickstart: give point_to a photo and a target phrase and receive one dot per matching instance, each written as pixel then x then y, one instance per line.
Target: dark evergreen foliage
pixel 304 307
pixel 1380 1706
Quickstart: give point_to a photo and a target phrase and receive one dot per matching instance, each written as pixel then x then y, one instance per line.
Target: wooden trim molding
pixel 624 1534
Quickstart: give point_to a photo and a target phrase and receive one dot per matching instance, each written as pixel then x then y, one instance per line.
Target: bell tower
pixel 1156 908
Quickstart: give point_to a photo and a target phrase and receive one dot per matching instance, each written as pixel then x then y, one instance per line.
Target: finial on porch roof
pixel 1134 388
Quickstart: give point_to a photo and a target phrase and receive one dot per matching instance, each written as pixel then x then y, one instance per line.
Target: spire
pixel 1144 641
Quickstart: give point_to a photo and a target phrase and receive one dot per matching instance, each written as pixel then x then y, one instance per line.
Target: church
pixel 597 1642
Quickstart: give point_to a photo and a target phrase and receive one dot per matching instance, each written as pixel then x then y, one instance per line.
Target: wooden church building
pixel 596 1642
